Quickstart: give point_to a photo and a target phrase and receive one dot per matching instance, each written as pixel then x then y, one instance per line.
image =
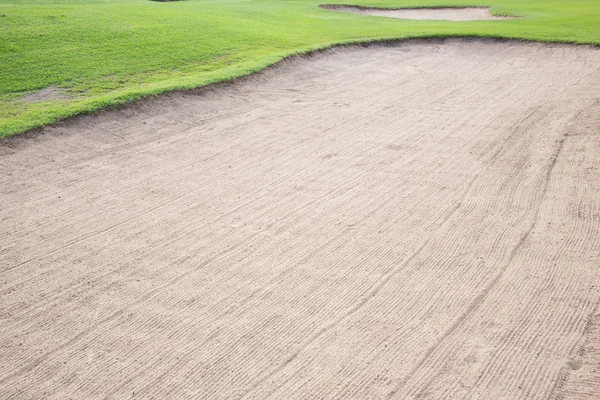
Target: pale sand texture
pixel 449 14
pixel 411 221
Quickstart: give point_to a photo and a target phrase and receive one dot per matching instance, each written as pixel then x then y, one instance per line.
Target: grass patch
pixel 106 52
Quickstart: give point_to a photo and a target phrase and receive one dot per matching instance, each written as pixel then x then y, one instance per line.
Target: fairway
pixel 417 220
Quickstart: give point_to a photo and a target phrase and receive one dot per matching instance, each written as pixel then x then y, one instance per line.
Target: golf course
pixel 289 199
pixel 89 54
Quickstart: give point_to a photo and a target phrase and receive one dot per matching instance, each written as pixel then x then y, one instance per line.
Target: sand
pixel 392 222
pixel 448 14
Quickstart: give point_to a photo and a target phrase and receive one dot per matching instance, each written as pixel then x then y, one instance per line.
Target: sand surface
pixel 411 221
pixel 449 14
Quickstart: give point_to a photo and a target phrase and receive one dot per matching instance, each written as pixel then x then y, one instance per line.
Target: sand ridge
pixel 410 221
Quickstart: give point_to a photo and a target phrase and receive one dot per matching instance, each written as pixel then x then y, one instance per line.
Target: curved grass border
pixel 120 102
pixel 126 82
pixel 132 97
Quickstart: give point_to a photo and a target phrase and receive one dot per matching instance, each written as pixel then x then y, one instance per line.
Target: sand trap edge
pixel 14 140
pixel 364 10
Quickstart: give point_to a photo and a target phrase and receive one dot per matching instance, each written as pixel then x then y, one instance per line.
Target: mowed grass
pixel 96 53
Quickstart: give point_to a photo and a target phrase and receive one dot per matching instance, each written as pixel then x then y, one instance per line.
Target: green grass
pixel 107 52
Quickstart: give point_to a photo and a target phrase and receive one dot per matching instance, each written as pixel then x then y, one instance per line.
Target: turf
pixel 97 53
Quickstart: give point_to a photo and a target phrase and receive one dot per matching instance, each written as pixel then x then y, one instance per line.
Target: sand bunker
pixel 449 14
pixel 416 221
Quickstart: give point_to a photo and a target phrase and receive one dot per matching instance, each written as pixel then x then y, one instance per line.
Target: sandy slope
pixel 417 221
